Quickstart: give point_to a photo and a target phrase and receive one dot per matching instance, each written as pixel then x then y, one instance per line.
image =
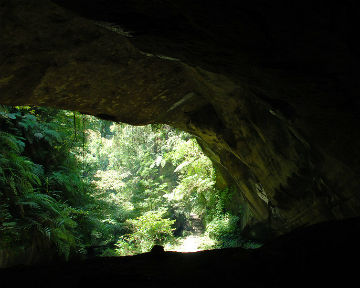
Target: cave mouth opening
pixel 74 185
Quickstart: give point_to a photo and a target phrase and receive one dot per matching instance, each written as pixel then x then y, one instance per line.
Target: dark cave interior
pixel 270 90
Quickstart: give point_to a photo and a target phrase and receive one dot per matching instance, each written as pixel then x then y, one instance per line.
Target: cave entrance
pixel 85 186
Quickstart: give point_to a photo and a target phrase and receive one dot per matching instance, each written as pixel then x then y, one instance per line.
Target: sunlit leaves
pixel 79 181
pixel 37 177
pixel 149 229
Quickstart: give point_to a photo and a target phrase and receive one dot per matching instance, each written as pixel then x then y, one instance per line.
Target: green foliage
pixel 124 246
pixel 225 230
pixel 147 230
pixel 112 253
pixel 78 182
pixel 37 183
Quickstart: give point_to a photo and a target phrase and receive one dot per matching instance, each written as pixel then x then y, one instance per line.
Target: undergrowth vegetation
pixel 73 185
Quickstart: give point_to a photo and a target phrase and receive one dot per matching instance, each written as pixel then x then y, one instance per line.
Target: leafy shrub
pixel 125 247
pixel 148 230
pixel 110 253
pixel 37 207
pixel 225 230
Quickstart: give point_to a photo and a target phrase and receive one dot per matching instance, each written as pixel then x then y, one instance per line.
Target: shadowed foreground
pixel 319 255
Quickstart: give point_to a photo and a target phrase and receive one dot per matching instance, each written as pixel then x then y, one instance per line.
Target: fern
pixel 31 204
pixel 28 122
pixel 52 136
pixel 32 177
pixel 10 143
pixel 45 201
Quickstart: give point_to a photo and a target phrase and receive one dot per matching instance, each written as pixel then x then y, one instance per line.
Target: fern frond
pixel 51 135
pixel 45 201
pixel 28 122
pixel 31 177
pixel 31 204
pixel 10 143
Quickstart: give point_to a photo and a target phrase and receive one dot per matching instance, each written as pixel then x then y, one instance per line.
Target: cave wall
pixel 268 89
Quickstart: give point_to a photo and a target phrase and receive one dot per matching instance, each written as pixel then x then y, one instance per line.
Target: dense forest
pixel 72 185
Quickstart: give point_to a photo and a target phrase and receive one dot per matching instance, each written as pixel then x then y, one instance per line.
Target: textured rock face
pixel 269 89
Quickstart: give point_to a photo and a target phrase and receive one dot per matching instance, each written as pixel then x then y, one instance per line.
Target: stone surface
pixel 268 88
